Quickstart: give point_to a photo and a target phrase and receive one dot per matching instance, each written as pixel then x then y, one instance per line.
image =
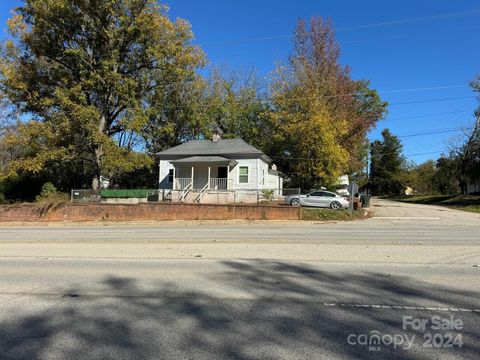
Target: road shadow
pixel 285 312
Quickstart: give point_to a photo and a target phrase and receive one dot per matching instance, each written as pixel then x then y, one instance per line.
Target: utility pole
pixel 368 171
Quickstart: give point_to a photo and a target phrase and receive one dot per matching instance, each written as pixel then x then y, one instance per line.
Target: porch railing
pixel 202 193
pixel 182 183
pixel 219 183
pixel 185 192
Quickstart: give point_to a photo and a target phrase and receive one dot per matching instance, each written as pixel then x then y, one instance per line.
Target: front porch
pixel 212 184
pixel 203 173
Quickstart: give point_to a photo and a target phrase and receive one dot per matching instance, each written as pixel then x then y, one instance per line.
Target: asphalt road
pixel 245 291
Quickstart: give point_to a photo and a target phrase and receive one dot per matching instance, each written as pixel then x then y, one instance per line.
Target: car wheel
pixel 335 205
pixel 295 202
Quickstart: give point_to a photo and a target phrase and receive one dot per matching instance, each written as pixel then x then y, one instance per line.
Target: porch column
pixel 159 175
pixel 192 177
pixel 208 177
pixel 174 186
pixel 228 175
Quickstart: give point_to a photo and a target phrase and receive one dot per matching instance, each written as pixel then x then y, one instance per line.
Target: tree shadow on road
pixel 281 311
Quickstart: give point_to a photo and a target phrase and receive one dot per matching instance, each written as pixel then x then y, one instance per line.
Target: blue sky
pixel 433 51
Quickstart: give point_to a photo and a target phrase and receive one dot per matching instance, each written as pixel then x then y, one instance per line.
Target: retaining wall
pixel 144 212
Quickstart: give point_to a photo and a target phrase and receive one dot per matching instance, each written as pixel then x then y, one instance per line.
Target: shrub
pixel 268 194
pixel 50 196
pixel 2 199
pixel 48 190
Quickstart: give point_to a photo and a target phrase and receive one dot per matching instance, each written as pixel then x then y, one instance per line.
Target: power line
pixel 270 101
pixel 429 115
pixel 426 153
pixel 379 155
pixel 345 42
pixel 439 131
pixel 412 90
pixel 432 100
pixel 355 27
pixel 457 118
pixel 223 57
pixel 395 103
pixel 410 20
pixel 376 155
pixel 423 89
pixel 423 146
pixel 397 91
pixel 389 104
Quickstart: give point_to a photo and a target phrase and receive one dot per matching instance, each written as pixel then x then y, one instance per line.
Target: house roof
pixel 209 147
pixel 205 160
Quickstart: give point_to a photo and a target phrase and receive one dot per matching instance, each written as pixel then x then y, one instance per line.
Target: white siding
pixel 258 175
pixel 473 188
pixel 265 177
pixel 252 174
pixel 165 167
pixel 272 181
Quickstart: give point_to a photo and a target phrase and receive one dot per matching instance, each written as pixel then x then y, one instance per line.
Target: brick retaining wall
pixel 143 212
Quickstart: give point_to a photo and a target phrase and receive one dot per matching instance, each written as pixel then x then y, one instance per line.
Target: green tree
pixel 224 101
pixel 176 115
pixel 92 75
pixel 232 104
pixel 422 178
pixel 470 153
pixel 387 165
pixel 320 116
pixel 447 180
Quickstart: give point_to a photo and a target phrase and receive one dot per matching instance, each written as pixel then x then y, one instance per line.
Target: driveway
pixel 388 211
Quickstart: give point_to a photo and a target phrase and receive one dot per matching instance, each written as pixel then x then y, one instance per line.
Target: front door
pixel 222 175
pixel 222 172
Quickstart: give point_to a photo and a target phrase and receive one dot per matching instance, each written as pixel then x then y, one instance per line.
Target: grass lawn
pixel 316 214
pixel 459 202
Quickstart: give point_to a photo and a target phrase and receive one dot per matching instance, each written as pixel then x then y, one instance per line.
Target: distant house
pixel 473 187
pixel 342 185
pixel 217 171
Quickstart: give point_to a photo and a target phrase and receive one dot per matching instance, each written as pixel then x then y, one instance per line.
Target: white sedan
pixel 325 199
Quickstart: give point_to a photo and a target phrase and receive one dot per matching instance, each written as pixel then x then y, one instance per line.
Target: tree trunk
pixel 97 167
pixel 98 154
pixel 95 183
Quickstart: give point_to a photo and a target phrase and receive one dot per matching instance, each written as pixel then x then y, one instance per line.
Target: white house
pixel 216 171
pixel 473 187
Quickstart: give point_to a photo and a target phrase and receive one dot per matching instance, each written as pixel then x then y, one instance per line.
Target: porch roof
pixel 213 160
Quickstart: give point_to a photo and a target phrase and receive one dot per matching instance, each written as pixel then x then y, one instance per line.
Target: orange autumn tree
pixel 320 115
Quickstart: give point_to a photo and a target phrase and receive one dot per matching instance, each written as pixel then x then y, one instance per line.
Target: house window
pixel 170 176
pixel 243 174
